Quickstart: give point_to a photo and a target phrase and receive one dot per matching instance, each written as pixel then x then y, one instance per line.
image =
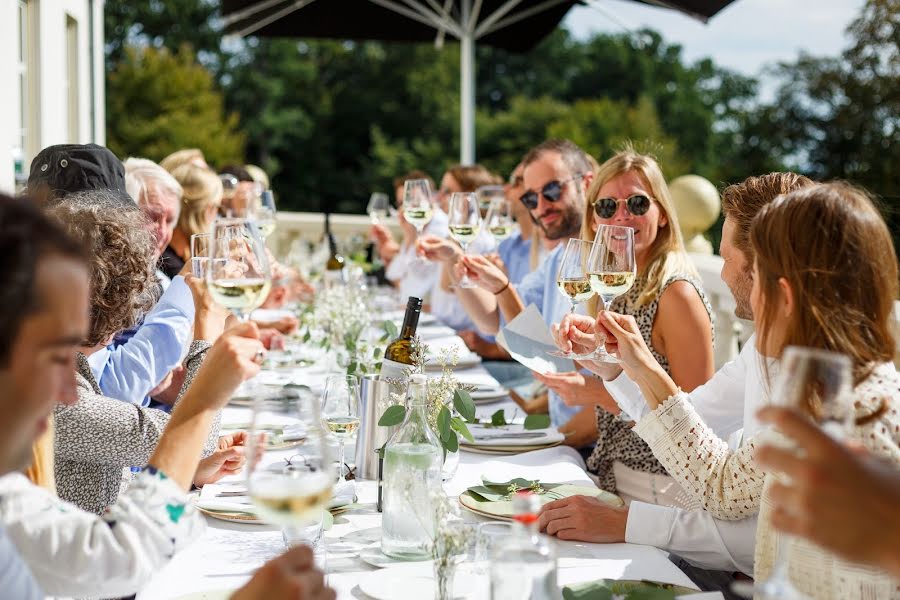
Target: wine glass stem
pixel 341 464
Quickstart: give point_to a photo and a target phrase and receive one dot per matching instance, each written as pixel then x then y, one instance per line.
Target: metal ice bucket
pixel 375 398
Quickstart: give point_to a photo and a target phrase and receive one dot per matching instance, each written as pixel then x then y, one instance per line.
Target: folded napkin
pixel 609 589
pixel 212 500
pixel 512 435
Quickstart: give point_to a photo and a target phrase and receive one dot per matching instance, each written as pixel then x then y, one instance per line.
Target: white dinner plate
pixel 411 581
pixel 374 556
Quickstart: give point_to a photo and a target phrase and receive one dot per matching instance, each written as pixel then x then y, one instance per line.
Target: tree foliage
pixel 158 102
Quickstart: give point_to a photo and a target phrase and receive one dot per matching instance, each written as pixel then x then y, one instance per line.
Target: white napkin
pixel 486 436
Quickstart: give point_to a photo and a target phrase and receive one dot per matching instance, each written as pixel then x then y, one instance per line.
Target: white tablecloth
pixel 228 553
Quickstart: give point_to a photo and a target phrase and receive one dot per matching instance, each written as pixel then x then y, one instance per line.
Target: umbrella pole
pixel 467 89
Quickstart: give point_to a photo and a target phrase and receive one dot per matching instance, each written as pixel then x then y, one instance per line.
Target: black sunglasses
pixel 552 191
pixel 637 205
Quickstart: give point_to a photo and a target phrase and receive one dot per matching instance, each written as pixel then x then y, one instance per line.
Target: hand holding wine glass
pixel 612 271
pixel 238 272
pixel 417 203
pixel 340 411
pixel 572 279
pixel 465 224
pixel 379 205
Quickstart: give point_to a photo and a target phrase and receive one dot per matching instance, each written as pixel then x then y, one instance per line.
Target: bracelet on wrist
pixel 503 289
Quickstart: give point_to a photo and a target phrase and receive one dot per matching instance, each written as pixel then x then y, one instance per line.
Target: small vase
pixel 451 464
pixel 444 570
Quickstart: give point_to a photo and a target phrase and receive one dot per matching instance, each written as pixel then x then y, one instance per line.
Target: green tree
pixel 159 102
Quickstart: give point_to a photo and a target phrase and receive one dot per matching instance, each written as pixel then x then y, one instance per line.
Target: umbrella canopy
pixel 514 25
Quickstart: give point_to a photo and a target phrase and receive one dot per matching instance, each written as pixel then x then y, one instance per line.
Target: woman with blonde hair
pixel 199 206
pixel 824 277
pixel 669 305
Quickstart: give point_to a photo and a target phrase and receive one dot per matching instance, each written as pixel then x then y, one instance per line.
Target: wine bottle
pixel 398 355
pixel 334 267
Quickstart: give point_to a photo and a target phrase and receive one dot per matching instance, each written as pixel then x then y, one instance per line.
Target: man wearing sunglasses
pixel 556 177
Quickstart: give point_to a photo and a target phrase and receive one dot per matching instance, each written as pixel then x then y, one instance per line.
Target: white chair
pixel 731 332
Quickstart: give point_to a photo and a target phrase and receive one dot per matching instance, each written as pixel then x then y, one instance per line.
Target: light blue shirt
pixel 16 579
pixel 515 253
pixel 130 370
pixel 539 288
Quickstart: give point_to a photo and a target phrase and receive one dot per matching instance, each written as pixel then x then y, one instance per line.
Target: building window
pixel 71 83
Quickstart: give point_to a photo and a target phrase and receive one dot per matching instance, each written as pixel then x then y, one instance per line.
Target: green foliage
pixel 159 102
pixel 537 422
pixel 394 415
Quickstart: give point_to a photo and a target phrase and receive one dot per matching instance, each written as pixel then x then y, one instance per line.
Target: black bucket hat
pixel 70 168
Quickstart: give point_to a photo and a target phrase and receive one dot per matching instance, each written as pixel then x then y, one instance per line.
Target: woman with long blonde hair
pixel 199 206
pixel 669 305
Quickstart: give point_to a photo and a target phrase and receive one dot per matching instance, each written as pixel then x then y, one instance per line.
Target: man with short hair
pixel 727 403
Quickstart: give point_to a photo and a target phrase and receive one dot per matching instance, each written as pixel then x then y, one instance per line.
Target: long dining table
pixel 228 553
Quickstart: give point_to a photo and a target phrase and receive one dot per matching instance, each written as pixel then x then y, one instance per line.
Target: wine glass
pixel 417 203
pixel 816 383
pixel 612 273
pixel 265 213
pixel 487 194
pixel 499 221
pixel 238 273
pixel 289 477
pixel 199 254
pixel 379 205
pixel 572 279
pixel 464 221
pixel 340 411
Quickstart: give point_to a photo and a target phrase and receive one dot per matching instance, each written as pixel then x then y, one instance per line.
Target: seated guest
pixel 159 196
pixel 826 479
pixel 51 547
pixel 187 156
pixel 726 402
pixel 831 287
pixel 68 168
pixel 201 201
pixel 99 438
pixel 411 276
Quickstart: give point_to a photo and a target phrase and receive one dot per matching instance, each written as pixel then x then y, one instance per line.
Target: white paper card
pixel 529 341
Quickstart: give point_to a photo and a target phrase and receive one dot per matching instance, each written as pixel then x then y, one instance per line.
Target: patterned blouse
pixel 71 552
pixel 99 439
pixel 616 442
pixel 730 486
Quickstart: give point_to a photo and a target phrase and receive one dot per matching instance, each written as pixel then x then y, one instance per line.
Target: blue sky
pixel 745 36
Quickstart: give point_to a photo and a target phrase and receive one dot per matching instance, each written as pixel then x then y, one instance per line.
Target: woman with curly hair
pixel 99 439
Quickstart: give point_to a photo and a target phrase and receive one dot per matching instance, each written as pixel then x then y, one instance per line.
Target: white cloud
pixel 746 36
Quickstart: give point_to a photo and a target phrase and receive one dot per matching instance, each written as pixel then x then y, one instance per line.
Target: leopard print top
pixel 616 442
pixel 98 439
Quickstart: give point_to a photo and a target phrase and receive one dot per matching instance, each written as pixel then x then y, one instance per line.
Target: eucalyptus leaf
pixel 394 415
pixel 498 418
pixel 484 494
pixel 537 422
pixel 327 520
pixel 464 405
pixel 352 367
pixel 376 354
pixel 390 330
pixel 460 426
pixel 307 336
pixel 443 423
pixel 451 444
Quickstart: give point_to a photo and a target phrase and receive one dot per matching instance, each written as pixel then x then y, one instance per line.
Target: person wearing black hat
pixel 68 168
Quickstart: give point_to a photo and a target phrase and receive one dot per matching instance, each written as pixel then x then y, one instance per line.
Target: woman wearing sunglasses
pixel 670 307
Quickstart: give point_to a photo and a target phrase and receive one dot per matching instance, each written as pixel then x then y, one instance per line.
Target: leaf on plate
pixel 485 494
pixel 498 418
pixel 537 422
pixel 327 520
pixel 463 403
pixel 394 415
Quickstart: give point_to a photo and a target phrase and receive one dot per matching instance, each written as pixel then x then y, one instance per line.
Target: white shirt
pixel 71 552
pixel 16 580
pixel 415 277
pixel 444 304
pixel 727 403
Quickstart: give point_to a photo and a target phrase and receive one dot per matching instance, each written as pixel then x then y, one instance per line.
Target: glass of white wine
pixel 200 254
pixel 417 203
pixel 573 280
pixel 464 221
pixel 612 272
pixel 499 221
pixel 487 195
pixel 265 213
pixel 379 205
pixel 818 384
pixel 340 412
pixel 289 476
pixel 238 273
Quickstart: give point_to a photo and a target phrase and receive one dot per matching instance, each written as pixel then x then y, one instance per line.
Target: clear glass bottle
pixel 523 567
pixel 412 473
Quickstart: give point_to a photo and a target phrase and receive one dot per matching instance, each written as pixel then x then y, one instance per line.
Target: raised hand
pixel 435 248
pixel 231 360
pixel 228 459
pixel 575 333
pixel 484 273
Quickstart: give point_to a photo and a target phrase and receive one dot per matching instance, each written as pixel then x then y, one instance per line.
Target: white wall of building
pixel 63 75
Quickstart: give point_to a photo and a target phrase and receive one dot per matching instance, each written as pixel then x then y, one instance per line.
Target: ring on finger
pixel 258 357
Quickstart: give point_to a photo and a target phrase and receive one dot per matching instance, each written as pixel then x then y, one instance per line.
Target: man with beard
pixel 556 175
